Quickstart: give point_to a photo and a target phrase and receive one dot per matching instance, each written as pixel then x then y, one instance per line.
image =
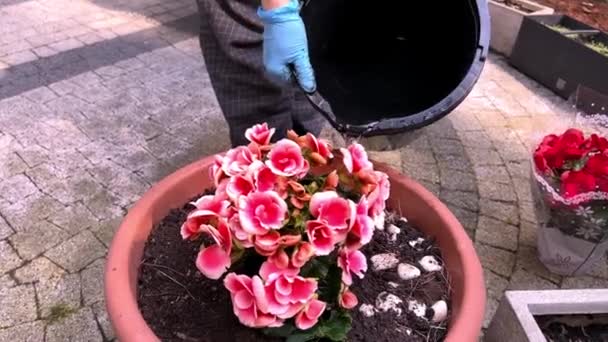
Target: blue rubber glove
pixel 286 46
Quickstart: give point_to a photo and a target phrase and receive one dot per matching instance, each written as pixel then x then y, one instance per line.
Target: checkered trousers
pixel 231 41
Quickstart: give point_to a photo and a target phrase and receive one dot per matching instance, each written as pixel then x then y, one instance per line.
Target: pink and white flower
pixel 302 254
pixel 208 210
pixel 215 171
pixel 320 236
pixel 337 212
pixel 245 293
pixel 239 185
pixel 213 261
pixel 319 146
pixel 264 178
pixel 309 316
pixel 270 242
pixel 285 159
pixel 351 262
pixel 348 299
pixel 286 292
pixel 244 238
pixel 377 199
pixel 260 134
pixel 355 158
pixel 237 160
pixel 260 212
pixel 362 230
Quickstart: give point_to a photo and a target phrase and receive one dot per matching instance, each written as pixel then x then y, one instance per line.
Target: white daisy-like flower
pixel 584 211
pixel 587 232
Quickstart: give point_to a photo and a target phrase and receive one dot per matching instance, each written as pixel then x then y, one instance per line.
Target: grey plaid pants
pixel 231 41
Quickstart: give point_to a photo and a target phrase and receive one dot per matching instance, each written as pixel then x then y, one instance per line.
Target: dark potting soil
pixel 180 304
pixel 574 328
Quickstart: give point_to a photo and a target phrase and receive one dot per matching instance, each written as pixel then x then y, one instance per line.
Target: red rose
pixel 596 143
pixel 577 182
pixel 597 165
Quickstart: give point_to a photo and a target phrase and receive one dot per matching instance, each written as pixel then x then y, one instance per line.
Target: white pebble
pixel 384 261
pixel 430 264
pixel 387 301
pixel 403 219
pixel 393 284
pixel 394 231
pixel 379 221
pixel 419 309
pixel 415 243
pixel 367 310
pixel 440 310
pixel 407 271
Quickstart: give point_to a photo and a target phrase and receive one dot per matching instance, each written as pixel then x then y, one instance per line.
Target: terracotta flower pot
pixel 420 207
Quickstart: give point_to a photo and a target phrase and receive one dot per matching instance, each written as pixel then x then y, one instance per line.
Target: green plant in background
pixel 599 47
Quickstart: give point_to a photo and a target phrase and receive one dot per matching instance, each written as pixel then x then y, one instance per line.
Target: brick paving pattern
pixel 100 99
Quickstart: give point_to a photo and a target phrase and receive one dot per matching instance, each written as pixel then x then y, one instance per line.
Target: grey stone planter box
pixel 506 22
pixel 514 319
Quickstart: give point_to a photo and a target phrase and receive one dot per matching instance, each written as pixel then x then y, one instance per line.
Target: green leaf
pixel 329 285
pixel 338 326
pixel 284 331
pixel 316 268
pixel 302 337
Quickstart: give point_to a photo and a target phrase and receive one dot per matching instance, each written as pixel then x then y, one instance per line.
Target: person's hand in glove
pixel 285 43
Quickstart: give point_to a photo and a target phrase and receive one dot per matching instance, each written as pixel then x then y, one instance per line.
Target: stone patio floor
pixel 100 99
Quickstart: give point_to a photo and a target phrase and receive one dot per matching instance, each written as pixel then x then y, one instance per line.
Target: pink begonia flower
pixel 264 178
pixel 208 210
pixel 244 238
pixel 245 292
pixel 320 236
pixel 286 292
pixel 215 171
pixel 302 254
pixel 213 261
pixel 351 262
pixel 237 160
pixel 309 316
pixel 268 243
pixel 260 134
pixel 279 258
pixel 239 185
pixel 377 199
pixel 337 213
pixel 355 158
pixel 285 159
pixel 362 231
pixel 348 299
pixel 319 146
pixel 260 212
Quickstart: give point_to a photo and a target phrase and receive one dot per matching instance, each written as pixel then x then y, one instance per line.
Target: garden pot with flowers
pixel 571 177
pixel 292 241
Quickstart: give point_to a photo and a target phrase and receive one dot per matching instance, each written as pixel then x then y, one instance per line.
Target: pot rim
pixel 126 250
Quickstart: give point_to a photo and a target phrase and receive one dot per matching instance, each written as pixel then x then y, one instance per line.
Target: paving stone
pixel 413 155
pixel 28 332
pixel 79 326
pixel 454 162
pixel 527 259
pixel 99 309
pixel 523 190
pixel 478 140
pixel 496 260
pixel 92 278
pixel 61 292
pixel 74 219
pixel 77 252
pixel 7 281
pixel 601 270
pixel 584 283
pixel 496 233
pixel 442 128
pixel 18 305
pixel 19 58
pixel 442 147
pixel 392 158
pixel 493 173
pixel 468 219
pixel 458 180
pixel 432 187
pixel 483 156
pixel 5 229
pixel 8 258
pixel 504 212
pixel 464 200
pixel 528 212
pixel 40 95
pixel 424 172
pixel 376 143
pixel 38 270
pixel 496 191
pixel 528 233
pixel 495 285
pixel 524 280
pixel 38 239
pixel 491 307
pixel 104 205
pixel 464 121
pixel 512 151
pixel 16 188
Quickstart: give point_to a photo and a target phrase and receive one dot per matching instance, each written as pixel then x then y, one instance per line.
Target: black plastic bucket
pixel 389 67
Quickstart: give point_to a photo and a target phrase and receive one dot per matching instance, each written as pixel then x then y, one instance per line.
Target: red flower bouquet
pixel 304 211
pixel 571 174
